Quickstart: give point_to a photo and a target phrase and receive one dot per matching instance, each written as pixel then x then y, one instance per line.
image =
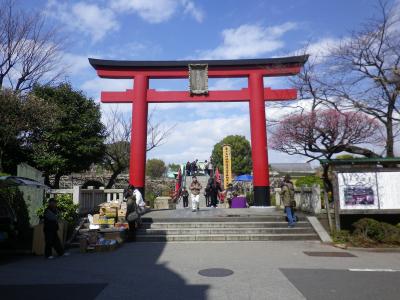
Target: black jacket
pixel 50 220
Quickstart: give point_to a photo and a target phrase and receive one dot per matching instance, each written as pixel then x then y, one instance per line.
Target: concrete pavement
pixel 261 270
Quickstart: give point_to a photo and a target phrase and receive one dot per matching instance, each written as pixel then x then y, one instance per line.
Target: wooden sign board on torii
pixel 253 69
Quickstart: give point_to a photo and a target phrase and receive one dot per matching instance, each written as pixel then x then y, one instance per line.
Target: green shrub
pixel 150 197
pixel 341 237
pixel 273 199
pixel 309 181
pixel 66 206
pixel 250 198
pixel 15 199
pixel 369 231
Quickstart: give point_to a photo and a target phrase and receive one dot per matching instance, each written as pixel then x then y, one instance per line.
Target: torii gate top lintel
pixel 266 67
pixel 255 94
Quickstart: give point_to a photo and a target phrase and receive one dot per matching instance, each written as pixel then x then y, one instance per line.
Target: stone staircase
pixel 203 179
pixel 227 228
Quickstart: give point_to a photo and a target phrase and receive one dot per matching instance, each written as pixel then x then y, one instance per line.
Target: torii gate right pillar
pixel 259 152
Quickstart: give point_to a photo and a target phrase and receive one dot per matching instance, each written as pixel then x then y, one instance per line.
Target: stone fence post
pixel 316 199
pixel 76 194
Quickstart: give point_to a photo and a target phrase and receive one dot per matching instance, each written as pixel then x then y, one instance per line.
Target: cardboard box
pixel 109 212
pixel 105 248
pixel 118 235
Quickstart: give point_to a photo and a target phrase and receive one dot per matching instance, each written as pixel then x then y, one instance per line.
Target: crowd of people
pixel 193 168
pixel 213 193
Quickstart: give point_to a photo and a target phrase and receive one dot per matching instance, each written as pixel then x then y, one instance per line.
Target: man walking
pixel 50 228
pixel 195 188
pixel 215 188
pixel 188 168
pixel 287 194
pixel 207 192
pixel 193 167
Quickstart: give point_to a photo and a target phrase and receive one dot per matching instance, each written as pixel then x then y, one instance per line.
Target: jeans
pixel 290 215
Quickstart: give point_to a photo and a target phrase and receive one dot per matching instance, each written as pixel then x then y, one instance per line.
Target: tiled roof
pixel 292 168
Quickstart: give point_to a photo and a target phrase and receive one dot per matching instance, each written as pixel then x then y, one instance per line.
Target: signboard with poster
pixel 358 191
pixel 368 192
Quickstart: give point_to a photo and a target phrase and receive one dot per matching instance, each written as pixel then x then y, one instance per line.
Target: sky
pixel 194 29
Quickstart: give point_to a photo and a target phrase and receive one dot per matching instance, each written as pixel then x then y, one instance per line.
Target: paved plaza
pixel 261 270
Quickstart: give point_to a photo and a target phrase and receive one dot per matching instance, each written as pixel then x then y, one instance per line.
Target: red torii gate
pixel 253 69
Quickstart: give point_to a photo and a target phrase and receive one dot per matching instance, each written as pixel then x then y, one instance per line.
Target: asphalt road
pixel 255 270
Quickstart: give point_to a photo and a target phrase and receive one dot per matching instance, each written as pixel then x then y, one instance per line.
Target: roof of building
pixel 292 168
pixel 357 161
pixel 261 62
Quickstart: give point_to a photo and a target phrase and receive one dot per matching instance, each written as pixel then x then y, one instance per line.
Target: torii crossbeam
pixel 253 69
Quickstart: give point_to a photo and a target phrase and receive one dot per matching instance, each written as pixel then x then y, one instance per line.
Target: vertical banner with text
pixel 227 160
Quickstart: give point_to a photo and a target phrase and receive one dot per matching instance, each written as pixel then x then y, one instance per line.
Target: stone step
pixel 225 231
pixel 158 225
pixel 225 237
pixel 236 219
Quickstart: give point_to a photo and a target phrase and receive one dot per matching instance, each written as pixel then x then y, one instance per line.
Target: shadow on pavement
pixel 51 291
pixel 131 272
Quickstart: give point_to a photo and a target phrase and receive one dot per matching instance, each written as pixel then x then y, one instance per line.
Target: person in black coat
pixel 207 192
pixel 185 197
pixel 188 168
pixel 132 212
pixel 215 188
pixel 50 228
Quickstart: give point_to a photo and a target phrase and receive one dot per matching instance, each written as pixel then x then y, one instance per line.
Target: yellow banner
pixel 227 160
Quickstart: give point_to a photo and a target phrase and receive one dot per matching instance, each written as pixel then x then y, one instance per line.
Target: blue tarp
pixel 244 177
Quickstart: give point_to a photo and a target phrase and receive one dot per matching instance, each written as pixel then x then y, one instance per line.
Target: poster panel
pixel 389 190
pixel 358 190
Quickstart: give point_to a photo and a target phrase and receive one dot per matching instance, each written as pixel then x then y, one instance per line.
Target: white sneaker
pixel 51 257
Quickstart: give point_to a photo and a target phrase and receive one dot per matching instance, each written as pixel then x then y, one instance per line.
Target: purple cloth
pixel 239 202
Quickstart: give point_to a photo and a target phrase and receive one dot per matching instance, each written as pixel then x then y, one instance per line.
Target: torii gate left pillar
pixel 140 96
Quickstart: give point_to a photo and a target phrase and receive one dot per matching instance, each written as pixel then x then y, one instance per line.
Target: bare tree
pixel 365 71
pixel 29 51
pixel 119 136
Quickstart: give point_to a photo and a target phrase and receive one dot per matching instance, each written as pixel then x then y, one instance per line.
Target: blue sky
pixel 212 29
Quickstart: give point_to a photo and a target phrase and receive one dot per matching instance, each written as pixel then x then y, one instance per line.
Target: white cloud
pixel 157 11
pixel 87 18
pixel 248 41
pixel 196 138
pixel 191 9
pixel 93 87
pixel 319 50
pixel 74 63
